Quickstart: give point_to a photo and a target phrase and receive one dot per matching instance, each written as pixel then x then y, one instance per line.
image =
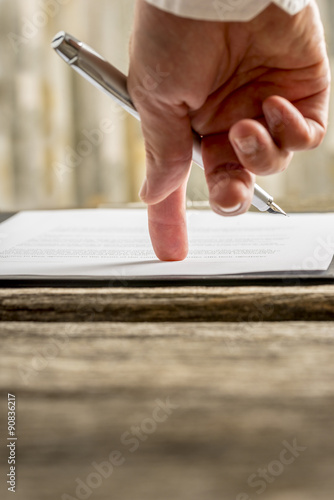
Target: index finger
pixel 168 227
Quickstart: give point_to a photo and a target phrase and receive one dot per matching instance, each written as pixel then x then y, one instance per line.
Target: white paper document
pixel 109 243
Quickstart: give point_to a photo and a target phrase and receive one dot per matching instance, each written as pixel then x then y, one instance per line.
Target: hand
pixel 255 91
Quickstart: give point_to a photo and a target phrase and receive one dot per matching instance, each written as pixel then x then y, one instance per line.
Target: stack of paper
pixel 106 244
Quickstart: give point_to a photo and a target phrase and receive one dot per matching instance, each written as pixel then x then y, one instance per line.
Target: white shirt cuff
pixel 225 10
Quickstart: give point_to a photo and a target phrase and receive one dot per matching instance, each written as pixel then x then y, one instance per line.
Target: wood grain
pixel 169 304
pixel 242 389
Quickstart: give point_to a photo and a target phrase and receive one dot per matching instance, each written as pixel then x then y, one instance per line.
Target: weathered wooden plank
pixel 257 303
pixel 207 448
pixel 242 389
pixel 298 332
pixel 53 358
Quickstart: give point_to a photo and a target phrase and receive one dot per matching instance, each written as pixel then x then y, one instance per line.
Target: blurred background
pixel 48 116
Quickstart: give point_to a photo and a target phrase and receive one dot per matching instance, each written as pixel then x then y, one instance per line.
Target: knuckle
pixel 167 162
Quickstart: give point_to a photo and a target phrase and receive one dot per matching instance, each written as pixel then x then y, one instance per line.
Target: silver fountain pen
pixel 89 64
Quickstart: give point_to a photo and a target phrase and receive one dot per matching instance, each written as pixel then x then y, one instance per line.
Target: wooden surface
pixel 243 389
pixel 313 303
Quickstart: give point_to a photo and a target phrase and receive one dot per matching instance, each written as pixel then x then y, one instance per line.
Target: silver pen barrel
pixel 89 64
pixel 94 68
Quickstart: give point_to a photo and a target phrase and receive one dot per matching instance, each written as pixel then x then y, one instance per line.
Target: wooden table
pixel 199 389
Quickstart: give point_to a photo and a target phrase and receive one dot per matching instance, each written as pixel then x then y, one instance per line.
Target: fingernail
pixel 247 145
pixel 226 210
pixel 274 118
pixel 143 190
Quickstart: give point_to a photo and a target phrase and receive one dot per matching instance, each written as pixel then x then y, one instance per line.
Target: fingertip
pixel 230 185
pixel 168 227
pixel 290 129
pixel 279 114
pixel 232 194
pixel 256 149
pixel 227 212
pixel 247 137
pixel 169 241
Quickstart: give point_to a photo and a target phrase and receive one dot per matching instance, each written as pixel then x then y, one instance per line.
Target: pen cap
pixel 66 46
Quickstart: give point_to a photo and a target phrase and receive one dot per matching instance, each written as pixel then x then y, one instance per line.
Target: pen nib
pixel 275 209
